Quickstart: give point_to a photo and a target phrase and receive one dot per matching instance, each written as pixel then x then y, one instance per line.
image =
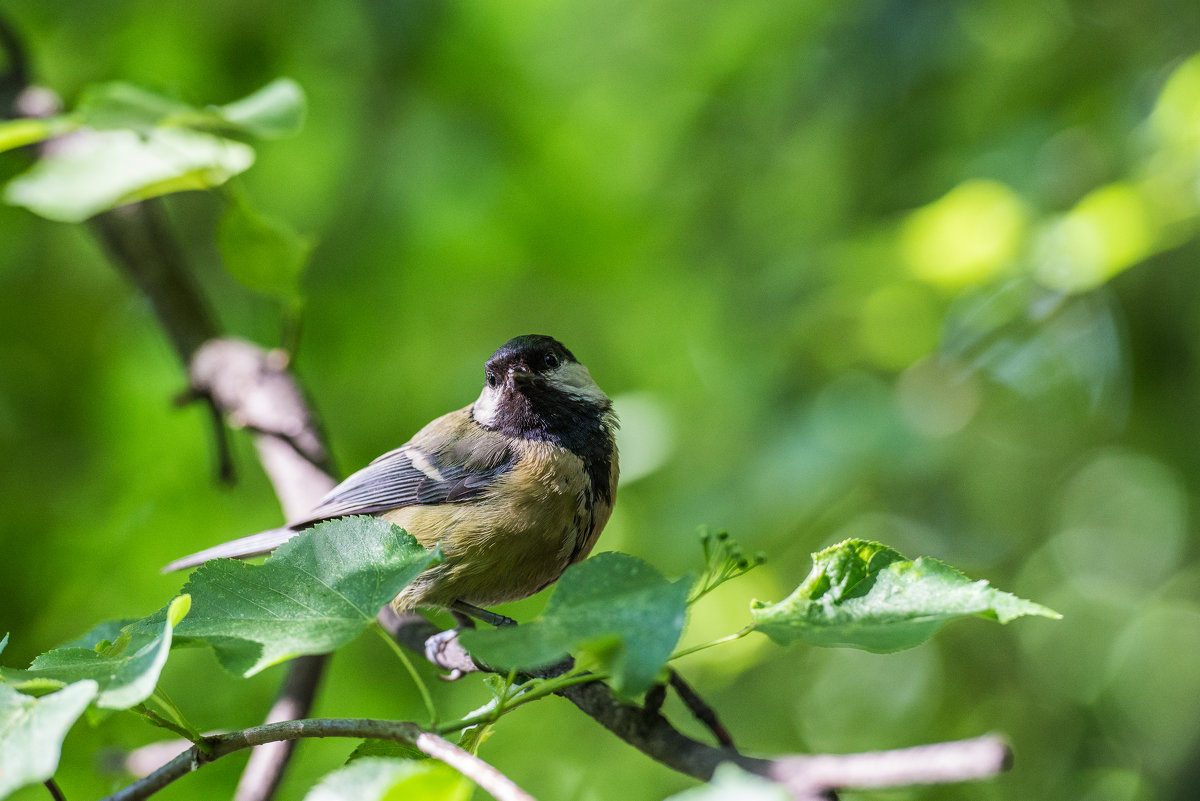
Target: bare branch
pixel 805 777
pixel 253 387
pixel 471 766
pixel 496 783
pixel 700 709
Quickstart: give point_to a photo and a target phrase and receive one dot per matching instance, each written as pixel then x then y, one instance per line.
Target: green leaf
pixel 731 783
pixel 377 778
pixel 124 106
pixel 126 672
pixel 32 731
pixel 264 253
pixel 276 110
pixel 386 748
pixel 315 593
pixel 100 633
pixel 613 612
pixel 864 595
pixel 101 170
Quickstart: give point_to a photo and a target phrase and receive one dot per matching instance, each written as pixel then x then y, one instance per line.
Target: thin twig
pixel 55 791
pixel 474 768
pixel 700 709
pixel 646 729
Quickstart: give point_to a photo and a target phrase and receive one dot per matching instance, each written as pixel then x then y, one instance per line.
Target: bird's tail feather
pixel 254 545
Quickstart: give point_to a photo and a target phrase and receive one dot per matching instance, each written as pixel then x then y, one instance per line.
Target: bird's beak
pixel 520 374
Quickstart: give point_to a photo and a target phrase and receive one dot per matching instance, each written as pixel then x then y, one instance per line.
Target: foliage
pixel 617 615
pixel 722 212
pixel 614 613
pixel 865 595
pixel 315 593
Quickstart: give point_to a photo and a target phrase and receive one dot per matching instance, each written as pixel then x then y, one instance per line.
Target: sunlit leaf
pixel 864 595
pixel 32 731
pixel 100 170
pixel 612 612
pixel 378 778
pixel 30 131
pixel 315 593
pixel 126 671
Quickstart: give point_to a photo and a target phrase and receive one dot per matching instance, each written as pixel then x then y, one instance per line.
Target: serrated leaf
pixel 264 253
pixel 731 783
pixel 32 732
pixel 386 748
pixel 100 170
pixel 612 611
pixel 107 631
pixel 276 110
pixel 126 672
pixel 315 593
pixel 377 778
pixel 864 595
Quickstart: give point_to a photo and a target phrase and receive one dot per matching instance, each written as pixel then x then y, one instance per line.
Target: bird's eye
pixel 491 379
pixel 550 360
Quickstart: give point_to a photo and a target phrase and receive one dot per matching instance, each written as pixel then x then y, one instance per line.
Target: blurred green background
pixel 921 271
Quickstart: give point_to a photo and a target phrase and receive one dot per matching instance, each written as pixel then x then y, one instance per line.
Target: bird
pixel 513 488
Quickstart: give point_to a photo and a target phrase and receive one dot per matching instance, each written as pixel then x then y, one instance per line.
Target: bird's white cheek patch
pixel 485 409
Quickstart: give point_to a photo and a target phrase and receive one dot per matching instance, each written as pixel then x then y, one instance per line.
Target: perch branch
pixel 805 777
pixel 474 768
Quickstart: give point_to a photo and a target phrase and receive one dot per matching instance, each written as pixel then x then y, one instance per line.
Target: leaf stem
pixel 422 687
pixel 737 635
pixel 162 722
pixel 541 689
pixel 174 714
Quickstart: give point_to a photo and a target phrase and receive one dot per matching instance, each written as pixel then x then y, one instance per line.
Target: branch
pixel 643 727
pixel 940 763
pixel 493 781
pixel 254 390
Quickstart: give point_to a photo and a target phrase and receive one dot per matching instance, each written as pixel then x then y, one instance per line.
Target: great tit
pixel 514 488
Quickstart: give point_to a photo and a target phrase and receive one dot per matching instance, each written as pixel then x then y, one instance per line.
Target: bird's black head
pixel 534 388
pixel 526 357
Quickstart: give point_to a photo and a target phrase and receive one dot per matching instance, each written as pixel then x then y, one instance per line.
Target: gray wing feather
pixel 406 476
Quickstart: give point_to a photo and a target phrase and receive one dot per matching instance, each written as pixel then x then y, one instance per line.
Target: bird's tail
pixel 254 545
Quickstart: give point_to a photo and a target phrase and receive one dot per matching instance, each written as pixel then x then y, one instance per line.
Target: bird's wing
pixel 449 461
pixel 407 476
